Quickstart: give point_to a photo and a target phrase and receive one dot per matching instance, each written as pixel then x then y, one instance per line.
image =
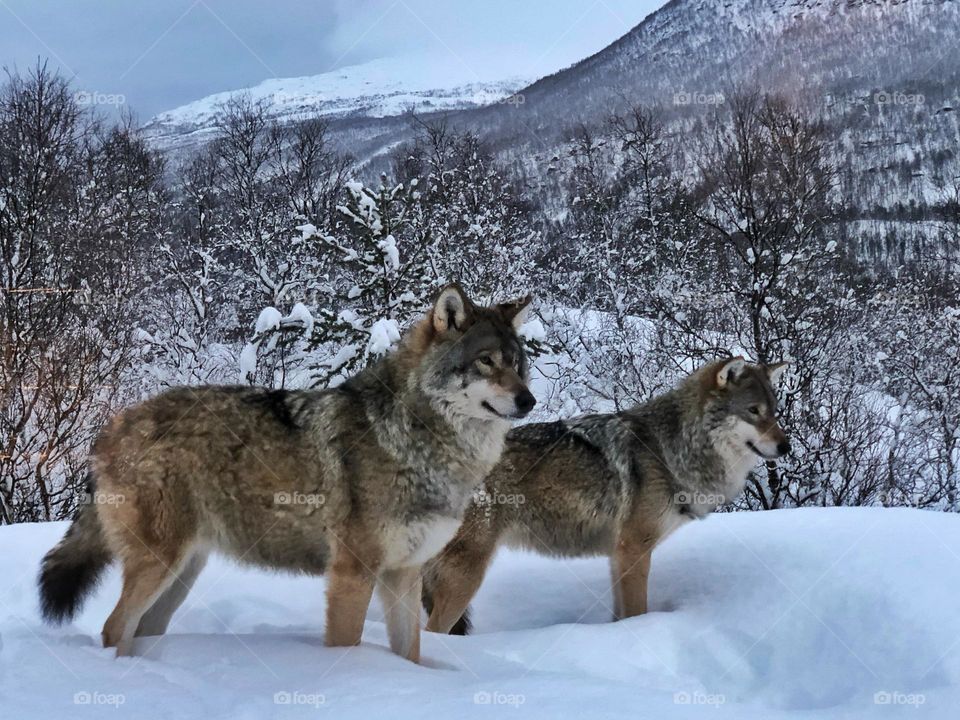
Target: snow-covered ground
pixel 821 613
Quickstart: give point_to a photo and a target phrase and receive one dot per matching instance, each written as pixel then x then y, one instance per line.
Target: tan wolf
pixel 614 484
pixel 364 481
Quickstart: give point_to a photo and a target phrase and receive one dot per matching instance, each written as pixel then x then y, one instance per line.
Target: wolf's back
pixel 71 570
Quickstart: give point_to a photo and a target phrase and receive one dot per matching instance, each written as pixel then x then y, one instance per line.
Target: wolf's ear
pixel 452 310
pixel 515 311
pixel 775 372
pixel 730 370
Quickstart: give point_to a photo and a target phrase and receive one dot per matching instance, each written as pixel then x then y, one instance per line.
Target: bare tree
pixel 77 208
pixel 917 324
pixel 767 204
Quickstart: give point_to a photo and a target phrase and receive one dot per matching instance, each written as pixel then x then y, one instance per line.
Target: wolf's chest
pixel 416 542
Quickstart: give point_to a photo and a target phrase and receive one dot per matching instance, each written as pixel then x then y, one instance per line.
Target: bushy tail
pixel 71 570
pixel 460 627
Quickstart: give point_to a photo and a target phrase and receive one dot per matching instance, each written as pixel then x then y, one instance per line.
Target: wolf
pixel 613 484
pixel 363 482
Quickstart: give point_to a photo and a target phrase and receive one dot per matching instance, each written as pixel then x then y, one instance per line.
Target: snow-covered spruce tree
pixel 381 277
pixel 375 264
pixel 234 250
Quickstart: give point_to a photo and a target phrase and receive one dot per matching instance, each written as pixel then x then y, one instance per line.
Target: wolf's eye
pixel 486 361
pixel 754 410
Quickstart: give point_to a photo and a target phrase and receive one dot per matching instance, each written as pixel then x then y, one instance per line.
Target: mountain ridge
pixel 380 88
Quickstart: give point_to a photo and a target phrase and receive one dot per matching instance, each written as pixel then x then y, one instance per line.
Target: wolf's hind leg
pixel 145 578
pixel 157 618
pixel 453 577
pixel 399 591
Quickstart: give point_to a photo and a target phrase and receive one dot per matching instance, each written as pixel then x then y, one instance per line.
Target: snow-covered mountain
pixel 692 53
pixel 688 54
pixel 380 88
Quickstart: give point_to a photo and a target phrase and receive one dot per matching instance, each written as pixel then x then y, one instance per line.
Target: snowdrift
pixel 820 613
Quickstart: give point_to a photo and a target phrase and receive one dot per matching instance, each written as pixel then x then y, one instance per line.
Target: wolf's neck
pixel 453 439
pixel 481 440
pixel 707 461
pixel 735 461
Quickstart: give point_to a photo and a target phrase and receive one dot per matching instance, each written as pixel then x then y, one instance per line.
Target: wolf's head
pixel 473 362
pixel 742 406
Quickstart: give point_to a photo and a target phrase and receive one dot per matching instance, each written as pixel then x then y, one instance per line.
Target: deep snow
pixel 823 613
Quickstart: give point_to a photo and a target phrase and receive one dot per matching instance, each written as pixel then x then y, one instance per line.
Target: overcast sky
pixel 163 53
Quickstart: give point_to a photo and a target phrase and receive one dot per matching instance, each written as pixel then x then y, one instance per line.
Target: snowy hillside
pixel 379 88
pixel 821 613
pixel 882 74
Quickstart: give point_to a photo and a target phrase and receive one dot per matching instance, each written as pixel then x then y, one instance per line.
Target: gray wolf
pixel 363 482
pixel 613 484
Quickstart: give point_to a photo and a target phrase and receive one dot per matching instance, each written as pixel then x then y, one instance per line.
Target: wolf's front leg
pixel 633 568
pixel 349 586
pixel 399 590
pixel 630 566
pixel 615 593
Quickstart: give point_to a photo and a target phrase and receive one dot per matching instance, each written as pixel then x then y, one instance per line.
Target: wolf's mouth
pixel 757 452
pixel 487 406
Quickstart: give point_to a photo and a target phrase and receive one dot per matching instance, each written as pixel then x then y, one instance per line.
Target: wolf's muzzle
pixel 524 401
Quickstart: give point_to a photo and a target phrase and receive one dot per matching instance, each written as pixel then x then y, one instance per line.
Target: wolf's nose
pixel 784 447
pixel 525 401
